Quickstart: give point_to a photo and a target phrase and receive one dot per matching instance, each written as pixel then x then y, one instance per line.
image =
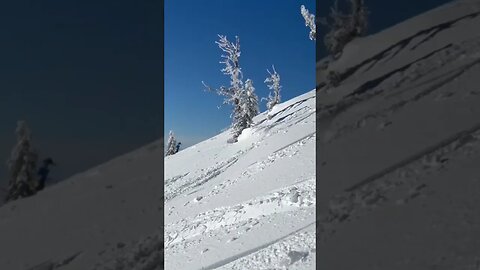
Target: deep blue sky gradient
pixel 270 31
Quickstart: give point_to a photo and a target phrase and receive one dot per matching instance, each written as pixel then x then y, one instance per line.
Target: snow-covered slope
pixel 248 205
pixel 399 147
pixel 105 218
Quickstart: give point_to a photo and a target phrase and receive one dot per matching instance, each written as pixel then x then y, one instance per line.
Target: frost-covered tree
pixel 273 83
pixel 309 22
pixel 245 110
pixel 171 144
pixel 232 68
pixel 237 95
pixel 22 165
pixel 343 27
pixel 251 102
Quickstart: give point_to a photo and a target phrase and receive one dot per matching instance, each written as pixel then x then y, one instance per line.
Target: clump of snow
pixel 245 135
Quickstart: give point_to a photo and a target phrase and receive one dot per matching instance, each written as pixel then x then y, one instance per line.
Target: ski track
pixel 286 152
pixel 297 247
pixel 246 214
pixel 171 190
pixel 233 222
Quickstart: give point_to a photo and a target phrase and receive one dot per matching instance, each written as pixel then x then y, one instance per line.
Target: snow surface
pixel 399 147
pixel 248 205
pixel 105 218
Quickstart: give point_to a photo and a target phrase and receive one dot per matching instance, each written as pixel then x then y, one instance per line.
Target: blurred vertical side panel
pixel 398 130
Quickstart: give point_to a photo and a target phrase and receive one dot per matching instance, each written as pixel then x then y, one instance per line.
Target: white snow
pixel 248 205
pixel 228 206
pixel 246 134
pixel 399 144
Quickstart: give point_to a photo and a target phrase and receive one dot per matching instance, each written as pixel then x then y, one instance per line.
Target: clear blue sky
pixel 270 31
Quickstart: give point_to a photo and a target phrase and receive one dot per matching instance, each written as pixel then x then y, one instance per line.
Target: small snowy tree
pixel 309 21
pixel 345 27
pixel 236 94
pixel 273 83
pixel 171 144
pixel 22 165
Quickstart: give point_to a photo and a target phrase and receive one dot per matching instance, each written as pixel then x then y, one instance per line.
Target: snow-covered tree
pixel 245 110
pixel 309 22
pixel 251 102
pixel 171 144
pixel 232 68
pixel 345 27
pixel 239 94
pixel 273 83
pixel 22 165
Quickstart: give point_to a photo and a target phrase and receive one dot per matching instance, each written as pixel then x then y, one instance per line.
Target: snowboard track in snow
pixel 252 251
pixel 227 218
pixel 201 179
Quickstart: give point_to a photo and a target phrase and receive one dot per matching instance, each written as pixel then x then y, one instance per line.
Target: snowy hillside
pixel 105 218
pixel 248 205
pixel 229 206
pixel 399 147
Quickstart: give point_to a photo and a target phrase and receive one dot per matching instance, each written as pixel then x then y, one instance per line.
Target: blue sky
pixel 270 31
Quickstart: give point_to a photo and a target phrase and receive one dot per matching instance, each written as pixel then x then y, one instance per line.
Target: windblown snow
pixel 399 147
pixel 248 205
